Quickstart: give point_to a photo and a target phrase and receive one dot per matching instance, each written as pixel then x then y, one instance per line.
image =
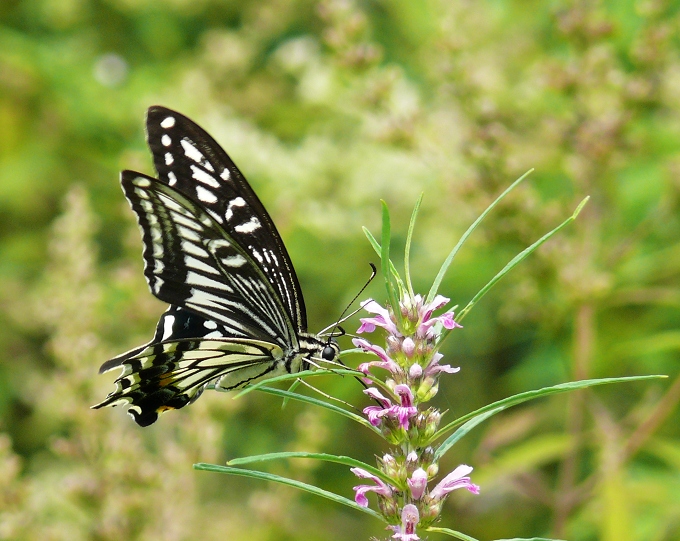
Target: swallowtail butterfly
pixel 212 252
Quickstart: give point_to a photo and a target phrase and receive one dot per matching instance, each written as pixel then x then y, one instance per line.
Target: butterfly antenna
pixel 342 317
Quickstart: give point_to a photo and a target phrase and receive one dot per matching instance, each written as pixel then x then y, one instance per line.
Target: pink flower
pixel 458 478
pixel 368 324
pixel 376 413
pixel 434 367
pixel 426 321
pixel 380 487
pixel 409 520
pixel 403 412
pixel 417 483
pixel 385 362
pixel 406 410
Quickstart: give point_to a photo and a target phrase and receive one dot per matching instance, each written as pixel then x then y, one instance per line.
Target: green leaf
pixel 451 533
pixel 378 249
pixel 447 262
pixel 295 376
pixel 472 419
pixel 338 459
pixel 293 386
pixel 407 249
pixel 290 482
pixel 514 262
pixel 316 402
pixel 385 258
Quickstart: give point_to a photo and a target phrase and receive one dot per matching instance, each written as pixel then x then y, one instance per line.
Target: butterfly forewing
pixel 190 160
pixel 191 261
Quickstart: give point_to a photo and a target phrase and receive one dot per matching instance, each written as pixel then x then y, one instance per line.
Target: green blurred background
pixel 327 107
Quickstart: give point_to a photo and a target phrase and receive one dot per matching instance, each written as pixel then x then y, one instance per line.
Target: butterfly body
pixel 212 252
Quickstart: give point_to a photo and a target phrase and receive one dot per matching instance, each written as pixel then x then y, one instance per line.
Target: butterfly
pixel 212 252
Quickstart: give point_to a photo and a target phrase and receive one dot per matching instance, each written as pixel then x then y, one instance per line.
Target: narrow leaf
pixel 489 410
pixel 290 482
pixel 297 375
pixel 338 459
pixel 407 249
pixel 463 430
pixel 385 257
pixel 316 402
pixel 378 249
pixel 516 260
pixel 451 533
pixel 445 266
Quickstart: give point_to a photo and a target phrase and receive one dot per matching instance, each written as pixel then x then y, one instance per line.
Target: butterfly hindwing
pixel 171 374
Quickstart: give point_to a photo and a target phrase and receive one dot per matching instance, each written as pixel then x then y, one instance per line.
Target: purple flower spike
pixel 417 483
pixel 409 520
pixel 458 478
pixel 380 487
pixel 368 324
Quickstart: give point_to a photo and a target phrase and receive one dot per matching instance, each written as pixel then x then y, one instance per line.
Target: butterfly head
pixel 331 351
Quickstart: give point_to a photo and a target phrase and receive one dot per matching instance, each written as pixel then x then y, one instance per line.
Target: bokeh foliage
pixel 328 106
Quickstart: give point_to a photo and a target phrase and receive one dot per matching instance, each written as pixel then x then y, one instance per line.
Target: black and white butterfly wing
pixel 190 160
pixel 212 252
pixel 192 262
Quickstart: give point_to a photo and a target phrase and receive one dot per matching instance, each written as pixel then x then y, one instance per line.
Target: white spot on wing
pixel 165 140
pixel 168 323
pixel 210 325
pixel 168 158
pixel 204 177
pixel 252 225
pixel 205 195
pixel 191 248
pixel 236 202
pixel 172 178
pixel 234 261
pixel 225 174
pixel 158 284
pixel 195 279
pixel 168 122
pixel 194 154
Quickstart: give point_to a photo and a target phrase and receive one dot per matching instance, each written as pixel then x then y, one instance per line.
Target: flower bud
pixel 389 508
pixel 408 346
pixel 432 470
pixel 427 389
pixel 415 371
pixel 418 483
pixel 412 461
pixel 393 345
pixel 390 466
pixel 429 511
